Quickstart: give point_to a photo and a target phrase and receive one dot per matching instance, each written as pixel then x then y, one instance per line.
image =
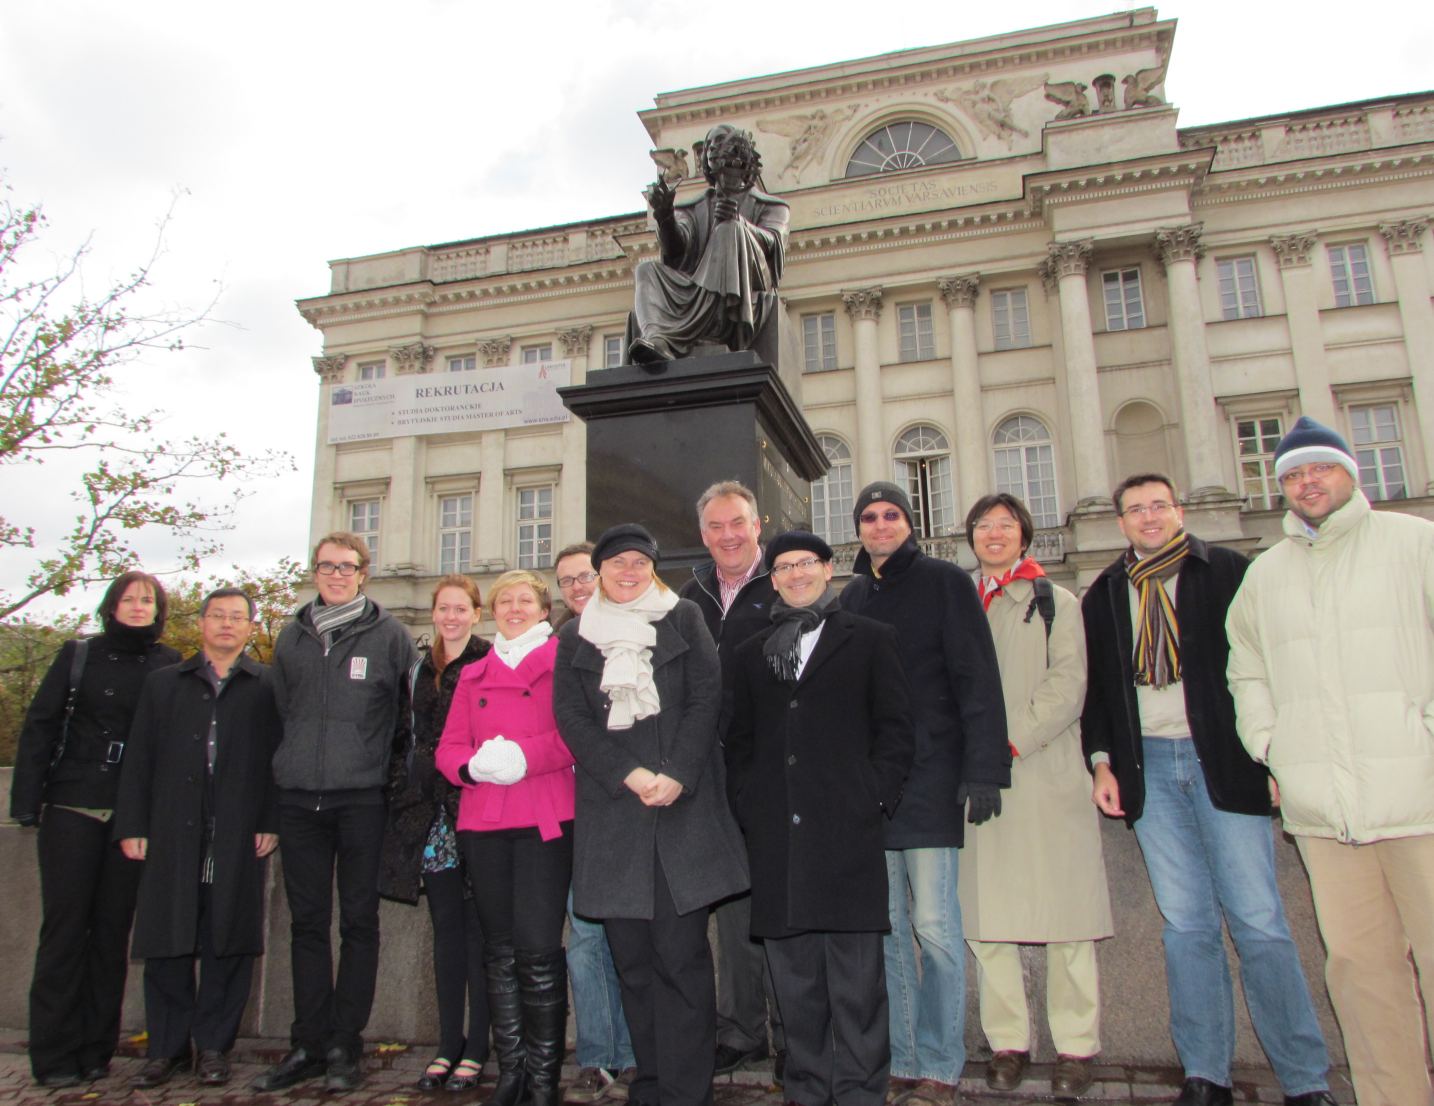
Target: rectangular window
pixel 611 351
pixel 535 527
pixel 1255 441
pixel 1239 290
pixel 534 354
pixel 918 342
pixel 819 342
pixel 370 370
pixel 455 533
pixel 363 521
pixel 1349 268
pixel 1010 321
pixel 462 364
pixel 1124 309
pixel 1379 450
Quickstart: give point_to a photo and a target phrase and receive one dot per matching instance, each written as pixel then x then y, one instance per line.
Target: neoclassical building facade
pixel 1009 268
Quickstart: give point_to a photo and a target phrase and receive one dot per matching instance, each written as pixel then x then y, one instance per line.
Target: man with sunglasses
pixel 1158 730
pixel 962 761
pixel 1332 669
pixel 340 680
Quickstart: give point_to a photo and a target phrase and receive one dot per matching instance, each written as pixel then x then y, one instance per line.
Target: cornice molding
pixel 1406 236
pixel 1050 188
pixel 412 358
pixel 862 303
pixel 1308 179
pixel 960 291
pixel 575 340
pixel 1182 243
pixel 330 369
pixel 1293 250
pixel 495 351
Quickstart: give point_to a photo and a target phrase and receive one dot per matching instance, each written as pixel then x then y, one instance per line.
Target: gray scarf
pixel 783 649
pixel 329 620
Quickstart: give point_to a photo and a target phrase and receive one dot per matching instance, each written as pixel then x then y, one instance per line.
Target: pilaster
pixel 1066 263
pixel 1302 315
pixel 1405 243
pixel 864 307
pixel 972 482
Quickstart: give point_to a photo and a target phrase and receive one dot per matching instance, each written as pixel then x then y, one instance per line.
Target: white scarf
pixel 624 634
pixel 511 651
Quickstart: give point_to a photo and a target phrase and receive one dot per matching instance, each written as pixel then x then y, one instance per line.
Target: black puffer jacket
pixel 417 787
pixel 118 662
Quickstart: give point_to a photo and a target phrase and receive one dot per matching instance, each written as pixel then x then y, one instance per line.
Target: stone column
pixel 864 307
pixel 572 487
pixel 1067 262
pixel 1405 243
pixel 1302 317
pixel 1178 249
pixel 330 370
pixel 972 480
pixel 488 505
pixel 404 507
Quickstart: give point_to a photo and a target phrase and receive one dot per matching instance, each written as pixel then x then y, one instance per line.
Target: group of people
pixel 809 764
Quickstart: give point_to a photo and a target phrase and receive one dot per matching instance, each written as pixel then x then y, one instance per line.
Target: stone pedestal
pixel 657 439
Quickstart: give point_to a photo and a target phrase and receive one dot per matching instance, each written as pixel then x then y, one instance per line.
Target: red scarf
pixel 1027 568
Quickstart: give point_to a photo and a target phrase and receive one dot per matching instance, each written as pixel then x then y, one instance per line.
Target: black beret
pixel 623 538
pixel 797 539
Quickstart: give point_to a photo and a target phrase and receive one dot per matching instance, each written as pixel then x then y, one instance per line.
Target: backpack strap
pixel 77 671
pixel 412 715
pixel 1043 600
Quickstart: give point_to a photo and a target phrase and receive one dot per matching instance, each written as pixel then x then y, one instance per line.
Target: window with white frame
pixel 1255 439
pixel 1026 466
pixel 363 521
pixel 611 351
pixel 1010 319
pixel 833 496
pixel 370 370
pixel 918 340
pixel 1379 450
pixel 535 526
pixel 1349 269
pixel 455 533
pixel 1124 308
pixel 819 342
pixel 532 355
pixel 908 144
pixel 923 467
pixel 1239 288
pixel 462 364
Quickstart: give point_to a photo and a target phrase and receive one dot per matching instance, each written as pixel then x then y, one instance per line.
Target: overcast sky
pixel 296 133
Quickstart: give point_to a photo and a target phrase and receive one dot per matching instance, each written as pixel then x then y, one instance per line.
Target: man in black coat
pixel 735 596
pixel 197 805
pixel 819 747
pixel 1159 732
pixel 962 761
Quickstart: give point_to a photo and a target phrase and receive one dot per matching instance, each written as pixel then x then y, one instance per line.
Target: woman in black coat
pixel 420 846
pixel 66 779
pixel 636 692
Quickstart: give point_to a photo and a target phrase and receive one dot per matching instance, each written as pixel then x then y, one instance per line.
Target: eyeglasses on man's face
pixel 1317 471
pixel 806 565
pixel 234 618
pixel 1139 510
pixel 581 578
pixel 891 514
pixel 330 568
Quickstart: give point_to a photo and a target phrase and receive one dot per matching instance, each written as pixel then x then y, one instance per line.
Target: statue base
pixel 659 435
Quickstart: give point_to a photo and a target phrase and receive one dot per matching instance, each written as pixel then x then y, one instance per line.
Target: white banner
pixel 448 403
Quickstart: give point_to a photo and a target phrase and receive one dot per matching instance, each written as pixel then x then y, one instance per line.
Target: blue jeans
pixel 928 1013
pixel 1204 862
pixel 597 1003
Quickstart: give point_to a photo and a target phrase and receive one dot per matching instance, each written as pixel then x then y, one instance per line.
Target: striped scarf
pixel 1157 644
pixel 328 621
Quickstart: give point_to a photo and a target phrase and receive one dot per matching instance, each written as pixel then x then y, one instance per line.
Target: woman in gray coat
pixel 636 694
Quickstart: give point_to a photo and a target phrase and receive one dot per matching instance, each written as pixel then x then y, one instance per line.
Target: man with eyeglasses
pixel 1158 730
pixel 819 747
pixel 1332 669
pixel 340 679
pixel 962 761
pixel 735 594
pixel 196 804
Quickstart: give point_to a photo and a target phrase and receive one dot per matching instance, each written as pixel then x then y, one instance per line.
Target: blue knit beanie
pixel 1309 442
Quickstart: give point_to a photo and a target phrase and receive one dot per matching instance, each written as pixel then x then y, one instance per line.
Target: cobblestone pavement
pixel 391 1070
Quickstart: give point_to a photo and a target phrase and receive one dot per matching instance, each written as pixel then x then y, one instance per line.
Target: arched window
pixel 904 145
pixel 923 468
pixel 1026 466
pixel 832 495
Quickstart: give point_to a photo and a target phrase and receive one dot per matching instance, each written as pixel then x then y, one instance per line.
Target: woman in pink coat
pixel 515 829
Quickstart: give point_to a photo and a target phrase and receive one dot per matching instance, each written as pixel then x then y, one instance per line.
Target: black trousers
pixel 521 886
pixel 664 968
pixel 832 987
pixel 331 1012
pixel 175 1014
pixel 87 895
pixel 458 974
pixel 746 1000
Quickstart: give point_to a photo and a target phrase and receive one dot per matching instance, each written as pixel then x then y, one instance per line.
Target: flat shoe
pixel 436 1074
pixel 466 1075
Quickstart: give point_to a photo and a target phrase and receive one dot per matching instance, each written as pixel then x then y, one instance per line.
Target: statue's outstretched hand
pixel 660 195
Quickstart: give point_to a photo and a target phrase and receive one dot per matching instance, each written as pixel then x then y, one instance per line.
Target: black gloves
pixel 985 801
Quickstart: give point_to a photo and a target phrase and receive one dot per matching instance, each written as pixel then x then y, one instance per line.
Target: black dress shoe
pixel 1311 1098
pixel 1201 1092
pixel 341 1073
pixel 212 1067
pixel 729 1059
pixel 299 1065
pixel 95 1072
pixel 57 1080
pixel 159 1071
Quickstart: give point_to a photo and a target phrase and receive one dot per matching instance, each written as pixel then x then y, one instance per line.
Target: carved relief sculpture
pixel 1405 237
pixel 1104 92
pixel 673 165
pixel 494 351
pixel 330 369
pixel 810 133
pixel 862 303
pixel 959 291
pixel 575 340
pixel 989 104
pixel 1174 244
pixel 412 358
pixel 1140 87
pixel 1293 249
pixel 1072 98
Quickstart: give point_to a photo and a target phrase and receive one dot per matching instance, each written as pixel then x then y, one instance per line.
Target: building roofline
pixel 1309 113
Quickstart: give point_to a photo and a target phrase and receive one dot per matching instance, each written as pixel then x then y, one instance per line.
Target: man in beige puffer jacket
pixel 1332 670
